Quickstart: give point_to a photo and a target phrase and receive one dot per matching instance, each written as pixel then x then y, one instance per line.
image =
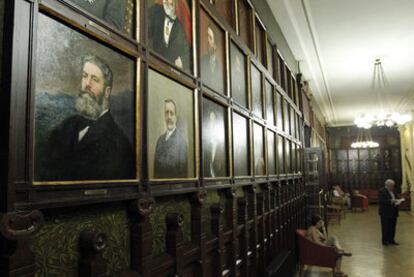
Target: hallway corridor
pixel 360 233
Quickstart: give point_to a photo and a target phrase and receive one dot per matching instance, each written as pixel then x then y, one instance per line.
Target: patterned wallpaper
pixel 56 246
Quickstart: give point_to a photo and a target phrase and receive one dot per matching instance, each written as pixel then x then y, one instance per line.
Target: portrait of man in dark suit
pixel 169 31
pixel 171 151
pixel 214 140
pixel 212 72
pixel 238 75
pixel 88 145
pixel 111 11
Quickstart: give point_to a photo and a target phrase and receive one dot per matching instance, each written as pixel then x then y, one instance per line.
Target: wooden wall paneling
pixel 261 232
pixel 242 220
pixel 273 221
pixel 174 241
pixel 141 235
pixel 198 232
pixel 217 229
pixel 252 225
pixel 231 222
pixel 91 262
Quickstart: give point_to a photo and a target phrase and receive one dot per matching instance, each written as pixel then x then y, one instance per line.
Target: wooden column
pixel 231 224
pixel 198 232
pixel 217 229
pixel 174 240
pixel 244 236
pixel 141 235
pixel 16 229
pixel 91 262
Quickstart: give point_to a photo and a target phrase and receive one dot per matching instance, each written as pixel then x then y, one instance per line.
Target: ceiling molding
pixel 313 34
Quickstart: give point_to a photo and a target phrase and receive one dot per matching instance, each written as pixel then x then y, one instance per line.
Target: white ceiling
pixel 336 42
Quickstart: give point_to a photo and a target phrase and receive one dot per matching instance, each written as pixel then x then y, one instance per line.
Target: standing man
pixel 89 145
pixel 388 211
pixel 167 35
pixel 171 151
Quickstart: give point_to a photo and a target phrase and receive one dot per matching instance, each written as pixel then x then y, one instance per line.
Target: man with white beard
pixel 89 145
pixel 167 35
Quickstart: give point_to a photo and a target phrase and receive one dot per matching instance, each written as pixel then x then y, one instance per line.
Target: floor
pixel 360 233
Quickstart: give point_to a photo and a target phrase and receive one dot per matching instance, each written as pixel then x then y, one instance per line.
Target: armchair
pixel 359 202
pixel 314 254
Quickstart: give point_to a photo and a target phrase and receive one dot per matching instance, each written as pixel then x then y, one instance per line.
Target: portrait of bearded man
pixel 169 31
pixel 89 145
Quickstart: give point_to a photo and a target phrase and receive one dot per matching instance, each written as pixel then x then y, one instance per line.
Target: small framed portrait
pixel 241 154
pixel 259 157
pixel 270 104
pixel 292 122
pixel 294 157
pixel 245 11
pixel 260 41
pixel 170 134
pixel 286 116
pixel 256 91
pixel 288 162
pixel 238 75
pixel 212 54
pixel 170 30
pixel 271 159
pixel 226 9
pixel 214 138
pixel 280 154
pixel 85 109
pixel 269 57
pixel 279 111
pixel 118 14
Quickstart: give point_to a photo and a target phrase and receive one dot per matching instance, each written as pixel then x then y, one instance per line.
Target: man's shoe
pixel 394 243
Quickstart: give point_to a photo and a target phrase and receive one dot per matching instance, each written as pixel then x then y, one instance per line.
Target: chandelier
pixel 382 119
pixel 364 140
pixel 379 86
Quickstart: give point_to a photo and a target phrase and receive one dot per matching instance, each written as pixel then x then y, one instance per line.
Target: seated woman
pixel 317 234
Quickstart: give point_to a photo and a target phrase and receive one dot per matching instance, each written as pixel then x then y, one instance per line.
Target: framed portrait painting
pixel 245 21
pixel 226 9
pixel 241 155
pixel 280 154
pixel 270 104
pixel 170 134
pixel 85 109
pixel 271 161
pixel 288 157
pixel 212 54
pixel 259 157
pixel 238 75
pixel 214 138
pixel 256 91
pixel 279 111
pixel 170 31
pixel 118 14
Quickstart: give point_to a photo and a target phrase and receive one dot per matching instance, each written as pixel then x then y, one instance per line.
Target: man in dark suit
pixel 167 35
pixel 388 211
pixel 211 70
pixel 89 145
pixel 111 11
pixel 171 150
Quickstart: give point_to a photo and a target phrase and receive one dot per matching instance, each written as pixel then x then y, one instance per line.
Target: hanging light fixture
pixel 382 119
pixel 379 86
pixel 364 140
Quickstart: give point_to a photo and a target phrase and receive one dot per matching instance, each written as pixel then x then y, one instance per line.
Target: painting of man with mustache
pixel 171 150
pixel 89 145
